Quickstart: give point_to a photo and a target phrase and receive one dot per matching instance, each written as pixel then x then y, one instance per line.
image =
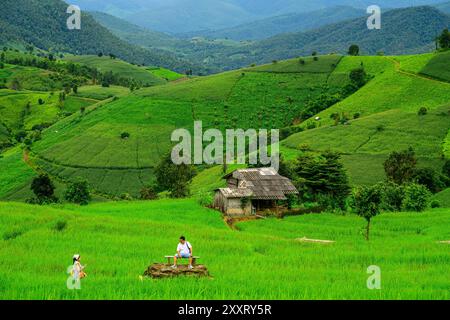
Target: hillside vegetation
pixel 91 146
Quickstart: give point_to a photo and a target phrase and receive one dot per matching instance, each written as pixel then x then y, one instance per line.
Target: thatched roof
pixel 259 184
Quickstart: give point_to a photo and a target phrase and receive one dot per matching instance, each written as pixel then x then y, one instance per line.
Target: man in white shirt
pixel 184 250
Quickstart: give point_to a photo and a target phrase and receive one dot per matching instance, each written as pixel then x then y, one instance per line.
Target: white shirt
pixel 183 248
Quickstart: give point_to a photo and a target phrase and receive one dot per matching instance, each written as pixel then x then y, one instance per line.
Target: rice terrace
pixel 94 207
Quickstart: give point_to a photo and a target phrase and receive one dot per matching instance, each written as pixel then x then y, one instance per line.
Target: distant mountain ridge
pixel 293 22
pixel 43 24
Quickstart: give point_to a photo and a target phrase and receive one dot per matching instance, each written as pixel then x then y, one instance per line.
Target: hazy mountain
pixel 404 31
pixel 43 23
pixel 444 7
pixel 177 16
pixel 293 22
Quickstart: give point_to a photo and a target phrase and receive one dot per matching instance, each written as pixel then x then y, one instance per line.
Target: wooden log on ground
pixel 162 270
pixel 304 239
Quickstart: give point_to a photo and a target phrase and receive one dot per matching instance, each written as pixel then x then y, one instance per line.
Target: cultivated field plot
pixel 438 67
pixel 117 241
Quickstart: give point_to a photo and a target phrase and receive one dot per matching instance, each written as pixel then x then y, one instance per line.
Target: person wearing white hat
pixel 78 272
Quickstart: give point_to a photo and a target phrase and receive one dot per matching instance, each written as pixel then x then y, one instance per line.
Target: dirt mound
pixel 161 270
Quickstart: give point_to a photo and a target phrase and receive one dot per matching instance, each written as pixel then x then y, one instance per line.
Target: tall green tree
pixel 322 177
pixel 174 178
pixel 367 203
pixel 444 39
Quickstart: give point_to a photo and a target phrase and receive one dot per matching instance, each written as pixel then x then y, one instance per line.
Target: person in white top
pixel 184 250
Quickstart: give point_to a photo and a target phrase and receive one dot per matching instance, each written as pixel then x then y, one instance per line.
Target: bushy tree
pixel 434 181
pixel 44 189
pixel 353 50
pixel 417 198
pixel 149 193
pixel 446 169
pixel 323 176
pixel 367 204
pixel 444 39
pixel 358 77
pixel 393 195
pixel 400 166
pixel 78 192
pixel 174 178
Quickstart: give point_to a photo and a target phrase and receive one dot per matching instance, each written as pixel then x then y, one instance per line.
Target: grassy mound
pixel 121 68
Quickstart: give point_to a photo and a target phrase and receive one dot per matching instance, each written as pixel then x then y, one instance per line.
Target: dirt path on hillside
pixel 398 68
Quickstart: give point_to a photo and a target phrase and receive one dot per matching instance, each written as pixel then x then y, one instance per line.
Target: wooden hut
pixel 251 190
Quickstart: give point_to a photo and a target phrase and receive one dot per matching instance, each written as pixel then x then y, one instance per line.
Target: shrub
pixel 358 77
pixel 357 115
pixel 302 62
pixel 126 196
pixel 434 181
pixel 44 190
pixel 422 111
pixel 12 234
pixel 316 58
pixel 149 193
pixel 206 199
pixel 446 169
pixel 60 225
pixel 124 135
pixel 78 192
pixel 40 101
pixel 435 204
pixel 417 198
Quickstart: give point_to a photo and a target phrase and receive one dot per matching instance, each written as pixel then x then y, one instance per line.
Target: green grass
pixel 163 73
pixel 443 198
pixel 414 63
pixel 98 92
pixel 15 174
pixel 324 64
pixel 438 67
pixel 118 67
pixel 117 241
pixel 367 142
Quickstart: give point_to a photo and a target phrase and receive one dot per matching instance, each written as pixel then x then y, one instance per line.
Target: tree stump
pixel 161 270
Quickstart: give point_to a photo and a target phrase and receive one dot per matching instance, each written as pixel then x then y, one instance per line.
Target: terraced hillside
pixel 91 146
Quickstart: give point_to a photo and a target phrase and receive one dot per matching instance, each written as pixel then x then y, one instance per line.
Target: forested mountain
pixel 43 23
pixel 293 22
pixel 408 30
pixel 176 16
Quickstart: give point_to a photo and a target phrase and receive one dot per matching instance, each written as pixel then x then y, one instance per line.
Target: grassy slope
pixel 438 67
pixel 91 147
pixel 117 241
pixel 15 173
pixel 365 146
pixel 119 67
